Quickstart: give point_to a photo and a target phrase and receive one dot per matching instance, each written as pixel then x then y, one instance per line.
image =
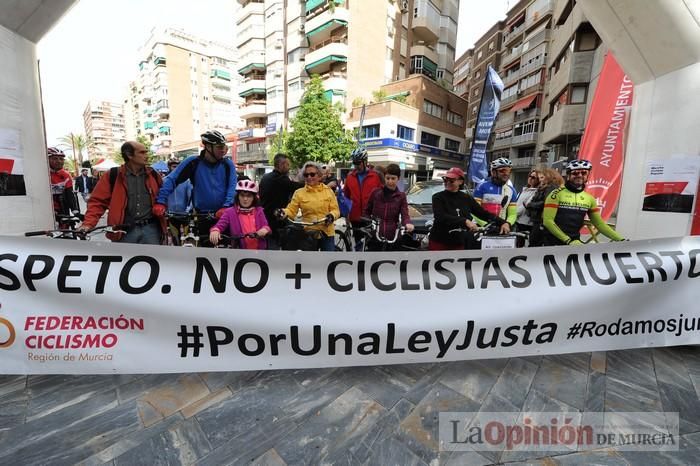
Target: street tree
pixel 317 132
pixel 76 143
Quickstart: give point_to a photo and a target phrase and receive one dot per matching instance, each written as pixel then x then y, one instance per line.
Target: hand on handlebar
pixel 280 214
pixel 159 210
pixel 262 232
pixel 471 226
pixel 329 219
pixel 214 237
pixel 575 243
pixel 409 228
pixel 505 228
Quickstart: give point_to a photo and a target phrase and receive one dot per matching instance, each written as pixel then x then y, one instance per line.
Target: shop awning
pixel 523 103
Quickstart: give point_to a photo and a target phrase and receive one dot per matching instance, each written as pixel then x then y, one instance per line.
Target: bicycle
pixel 489 237
pixel 183 229
pixel 68 222
pixel 373 239
pixel 592 231
pixel 233 241
pixel 78 234
pixel 295 237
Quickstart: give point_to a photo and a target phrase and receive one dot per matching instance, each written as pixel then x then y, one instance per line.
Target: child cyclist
pixel 245 217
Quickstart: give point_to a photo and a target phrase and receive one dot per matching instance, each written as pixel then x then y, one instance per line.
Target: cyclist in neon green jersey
pixel 565 209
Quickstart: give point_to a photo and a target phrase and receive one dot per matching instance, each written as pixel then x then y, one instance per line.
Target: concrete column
pixel 657 43
pixel 20 110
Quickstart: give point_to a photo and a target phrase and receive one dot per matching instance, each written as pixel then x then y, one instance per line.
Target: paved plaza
pixel 384 415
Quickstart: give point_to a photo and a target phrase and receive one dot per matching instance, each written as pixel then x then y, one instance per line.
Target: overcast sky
pixel 92 51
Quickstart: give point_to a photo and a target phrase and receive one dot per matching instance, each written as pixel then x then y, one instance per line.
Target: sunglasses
pixel 578 172
pixel 220 146
pixel 533 176
pixel 310 174
pixel 449 180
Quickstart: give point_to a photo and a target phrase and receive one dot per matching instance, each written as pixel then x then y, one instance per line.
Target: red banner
pixel 695 227
pixel 604 138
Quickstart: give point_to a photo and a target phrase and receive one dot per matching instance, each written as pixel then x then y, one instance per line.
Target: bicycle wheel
pixel 342 242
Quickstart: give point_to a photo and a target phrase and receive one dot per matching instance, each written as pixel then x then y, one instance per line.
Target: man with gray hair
pixel 276 190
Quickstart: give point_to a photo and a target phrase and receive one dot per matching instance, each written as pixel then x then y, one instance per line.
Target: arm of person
pixel 479 213
pixel 170 183
pixel 512 213
pixel 223 223
pixel 602 226
pixel 369 207
pixel 293 207
pixel 230 184
pixel 98 203
pixel 333 204
pixel 548 215
pixel 405 217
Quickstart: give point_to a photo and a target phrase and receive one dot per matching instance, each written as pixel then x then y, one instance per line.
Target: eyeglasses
pixel 310 174
pixel 533 176
pixel 449 180
pixel 578 172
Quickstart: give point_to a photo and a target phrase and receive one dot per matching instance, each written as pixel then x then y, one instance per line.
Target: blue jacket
pixel 211 190
pixel 180 201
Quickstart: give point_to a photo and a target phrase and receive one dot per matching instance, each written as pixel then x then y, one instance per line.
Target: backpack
pixel 114 171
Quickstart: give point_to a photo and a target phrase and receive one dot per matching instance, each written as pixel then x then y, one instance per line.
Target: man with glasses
pixel 213 179
pixel 565 209
pixel 359 185
pixel 496 195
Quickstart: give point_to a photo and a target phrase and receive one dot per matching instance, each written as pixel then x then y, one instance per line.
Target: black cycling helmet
pixel 213 137
pixel 359 155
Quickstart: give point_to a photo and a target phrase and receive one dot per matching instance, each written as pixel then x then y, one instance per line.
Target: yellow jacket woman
pixel 315 200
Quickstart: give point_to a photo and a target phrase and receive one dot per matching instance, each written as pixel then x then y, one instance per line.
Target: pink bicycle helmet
pixel 247 185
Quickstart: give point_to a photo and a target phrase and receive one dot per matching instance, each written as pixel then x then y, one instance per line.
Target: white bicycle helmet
pixel 501 162
pixel 579 165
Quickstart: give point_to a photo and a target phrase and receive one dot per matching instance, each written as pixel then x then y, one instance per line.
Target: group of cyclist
pixel 206 187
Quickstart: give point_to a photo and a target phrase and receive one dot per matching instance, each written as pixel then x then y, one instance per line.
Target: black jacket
pixel 451 210
pixel 79 184
pixel 276 190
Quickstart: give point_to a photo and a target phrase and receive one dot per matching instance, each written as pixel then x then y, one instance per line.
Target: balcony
pixel 568 120
pixel 254 60
pixel 524 139
pixel 538 38
pixel 512 55
pixel 252 8
pixel 335 80
pixel 511 78
pixel 321 56
pixel 500 143
pixel 255 31
pixel 512 35
pixel 254 109
pixel 312 5
pixel 527 115
pixel 426 22
pixel 535 17
pixel 424 51
pixel 505 119
pixel 221 74
pixel 577 69
pixel 525 162
pixel 319 27
pixel 252 86
pixel 251 156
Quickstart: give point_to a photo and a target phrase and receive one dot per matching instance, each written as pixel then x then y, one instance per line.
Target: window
pixel 403 132
pixel 480 54
pixel 451 144
pixel 432 108
pixel 371 131
pixel 492 45
pixel 455 118
pixel 429 139
pixel 578 95
pixel 527 127
pixel 477 74
pixel 475 109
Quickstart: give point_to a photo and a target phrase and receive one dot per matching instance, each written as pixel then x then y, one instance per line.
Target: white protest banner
pixel 87 308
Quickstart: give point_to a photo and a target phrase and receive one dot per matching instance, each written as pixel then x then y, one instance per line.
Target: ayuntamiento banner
pixel 81 308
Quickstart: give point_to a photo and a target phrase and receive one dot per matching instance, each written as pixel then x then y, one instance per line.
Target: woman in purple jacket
pixel 389 206
pixel 244 218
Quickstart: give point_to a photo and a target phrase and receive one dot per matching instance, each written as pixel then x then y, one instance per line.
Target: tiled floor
pixel 372 415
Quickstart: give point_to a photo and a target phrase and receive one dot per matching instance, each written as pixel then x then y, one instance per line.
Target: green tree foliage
pixel 317 132
pixel 143 139
pixel 76 143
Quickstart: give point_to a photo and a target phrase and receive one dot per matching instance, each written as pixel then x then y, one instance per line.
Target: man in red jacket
pixel 359 185
pixel 129 199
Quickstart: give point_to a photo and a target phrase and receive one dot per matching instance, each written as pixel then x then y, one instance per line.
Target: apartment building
pixel 574 65
pixel 185 86
pixel 463 74
pixel 355 46
pixel 104 126
pixel 419 126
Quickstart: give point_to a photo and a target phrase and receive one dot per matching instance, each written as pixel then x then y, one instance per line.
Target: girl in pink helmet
pixel 244 220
